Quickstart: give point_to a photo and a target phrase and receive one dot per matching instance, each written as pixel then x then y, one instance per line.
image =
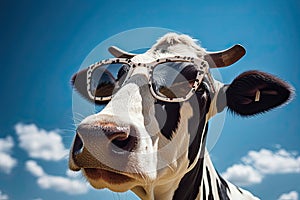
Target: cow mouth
pixel 111 177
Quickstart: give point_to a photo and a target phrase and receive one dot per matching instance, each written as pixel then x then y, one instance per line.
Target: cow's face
pixel 148 132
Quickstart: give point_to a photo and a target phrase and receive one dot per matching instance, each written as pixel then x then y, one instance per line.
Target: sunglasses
pixel 173 79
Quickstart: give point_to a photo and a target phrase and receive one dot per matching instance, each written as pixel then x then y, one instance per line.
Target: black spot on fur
pixel 197 123
pixel 203 191
pixel 210 194
pixel 189 186
pixel 239 189
pixel 223 182
pixel 222 191
pixel 168 116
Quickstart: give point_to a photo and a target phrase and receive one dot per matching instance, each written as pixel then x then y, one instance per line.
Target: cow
pixel 150 136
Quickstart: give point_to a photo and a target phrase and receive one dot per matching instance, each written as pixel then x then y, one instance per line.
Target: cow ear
pixel 79 82
pixel 255 92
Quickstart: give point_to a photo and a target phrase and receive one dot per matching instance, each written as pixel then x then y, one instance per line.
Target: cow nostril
pixel 122 141
pixel 119 136
pixel 77 145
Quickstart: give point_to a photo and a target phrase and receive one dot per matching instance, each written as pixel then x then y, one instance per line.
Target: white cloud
pixel 6 144
pixel 68 185
pixel 268 162
pixel 40 143
pixel 73 174
pixel 293 195
pixel 3 196
pixel 242 175
pixel 7 162
pixel 34 168
pixel 257 164
pixel 63 184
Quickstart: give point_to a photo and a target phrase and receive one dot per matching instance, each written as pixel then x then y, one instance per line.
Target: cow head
pixel 157 105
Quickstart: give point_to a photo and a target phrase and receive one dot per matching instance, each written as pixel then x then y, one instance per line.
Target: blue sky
pixel 44 43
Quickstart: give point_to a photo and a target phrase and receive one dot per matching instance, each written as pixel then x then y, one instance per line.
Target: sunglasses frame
pixel 201 66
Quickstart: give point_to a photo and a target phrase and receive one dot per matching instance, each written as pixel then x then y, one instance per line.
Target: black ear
pixel 255 92
pixel 79 82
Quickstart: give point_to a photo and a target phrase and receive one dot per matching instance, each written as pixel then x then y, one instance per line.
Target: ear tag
pixel 257 96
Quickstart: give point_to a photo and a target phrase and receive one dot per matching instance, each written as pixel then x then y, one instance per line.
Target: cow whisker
pixel 141 175
pixel 171 168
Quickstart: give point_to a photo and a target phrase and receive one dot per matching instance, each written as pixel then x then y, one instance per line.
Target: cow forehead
pixel 171 45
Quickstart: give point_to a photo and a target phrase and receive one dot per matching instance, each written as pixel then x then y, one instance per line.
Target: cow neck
pixel 187 183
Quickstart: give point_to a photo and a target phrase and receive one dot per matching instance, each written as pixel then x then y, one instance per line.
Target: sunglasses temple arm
pixel 210 80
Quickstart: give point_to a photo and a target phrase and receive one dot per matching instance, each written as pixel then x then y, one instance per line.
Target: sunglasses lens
pixel 174 79
pixel 106 79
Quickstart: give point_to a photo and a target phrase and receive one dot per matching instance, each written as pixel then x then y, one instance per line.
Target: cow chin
pixel 101 178
pixel 121 174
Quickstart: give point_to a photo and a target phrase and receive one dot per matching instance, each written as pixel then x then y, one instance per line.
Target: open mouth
pixel 107 176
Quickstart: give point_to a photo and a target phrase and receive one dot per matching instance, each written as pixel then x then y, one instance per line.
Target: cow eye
pixel 205 87
pixel 174 79
pixel 122 73
pixel 189 72
pixel 105 79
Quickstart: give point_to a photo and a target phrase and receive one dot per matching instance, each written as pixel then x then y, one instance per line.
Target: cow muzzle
pixel 101 150
pixel 97 145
